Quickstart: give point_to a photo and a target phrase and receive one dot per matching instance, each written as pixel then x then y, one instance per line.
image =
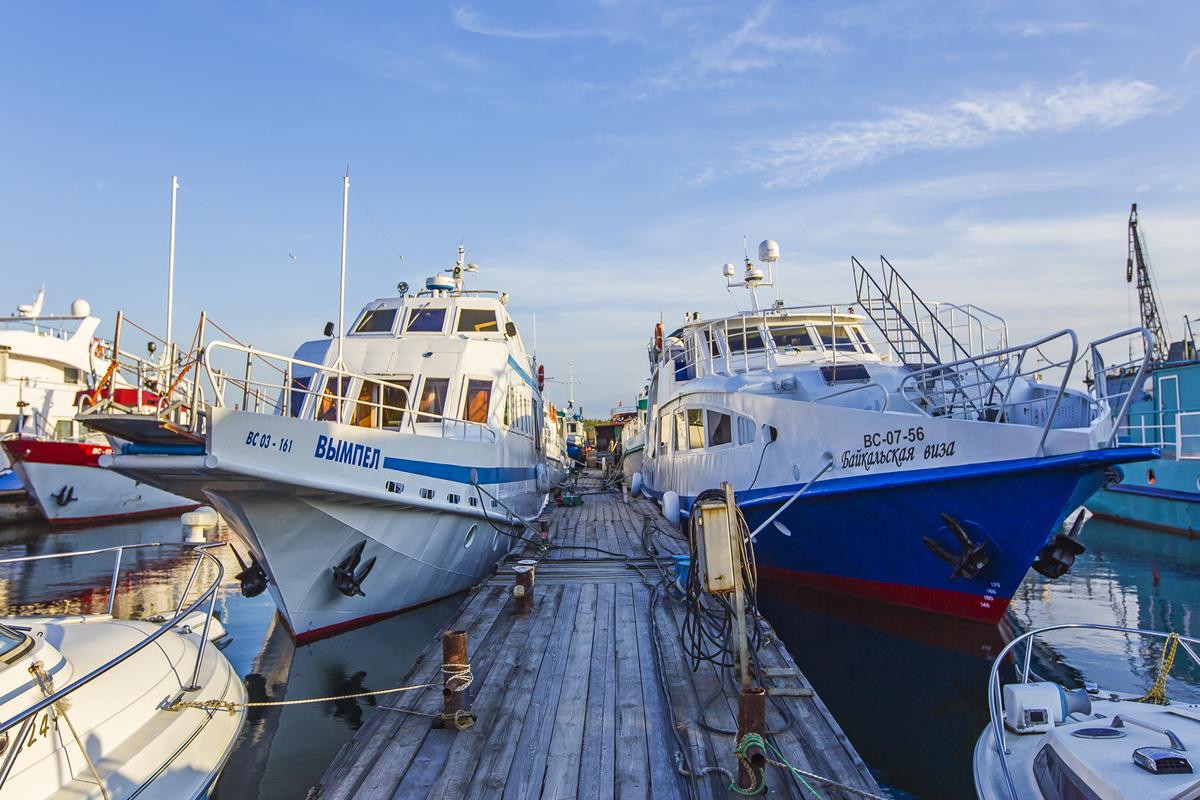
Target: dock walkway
pixel 575 700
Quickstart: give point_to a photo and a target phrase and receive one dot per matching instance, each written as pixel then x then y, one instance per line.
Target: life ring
pixel 99 350
pixel 658 337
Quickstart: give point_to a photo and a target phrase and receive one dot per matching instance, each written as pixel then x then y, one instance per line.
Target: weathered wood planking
pixel 575 700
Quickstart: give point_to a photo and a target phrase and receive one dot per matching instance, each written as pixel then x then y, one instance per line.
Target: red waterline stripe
pixel 74 454
pixel 939 601
pixel 359 622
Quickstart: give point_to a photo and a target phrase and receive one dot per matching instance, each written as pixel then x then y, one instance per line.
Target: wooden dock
pixel 575 700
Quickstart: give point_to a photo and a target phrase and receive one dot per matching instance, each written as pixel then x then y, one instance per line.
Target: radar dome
pixel 80 308
pixel 768 251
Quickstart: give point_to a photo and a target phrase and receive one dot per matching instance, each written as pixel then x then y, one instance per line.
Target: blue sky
pixel 600 160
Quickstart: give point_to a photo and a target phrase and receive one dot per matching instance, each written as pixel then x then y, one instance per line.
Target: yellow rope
pixel 1158 694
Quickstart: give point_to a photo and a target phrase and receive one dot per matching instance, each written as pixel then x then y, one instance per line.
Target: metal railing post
pixel 112 589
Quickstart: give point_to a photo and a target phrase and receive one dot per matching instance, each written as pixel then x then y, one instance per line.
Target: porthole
pixel 426 494
pixel 1198 483
pixel 1150 477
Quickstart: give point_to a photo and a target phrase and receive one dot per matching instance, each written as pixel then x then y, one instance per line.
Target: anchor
pixel 345 579
pixel 65 495
pixel 973 557
pixel 253 579
pixel 1057 557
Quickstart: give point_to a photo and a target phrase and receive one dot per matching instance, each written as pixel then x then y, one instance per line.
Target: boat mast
pixel 171 268
pixel 342 297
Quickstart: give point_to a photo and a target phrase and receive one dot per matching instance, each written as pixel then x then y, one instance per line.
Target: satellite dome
pixel 768 250
pixel 80 308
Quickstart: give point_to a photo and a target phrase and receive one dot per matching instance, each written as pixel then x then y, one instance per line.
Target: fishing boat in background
pixel 90 707
pixel 370 473
pixel 1165 413
pixel 52 365
pixel 930 468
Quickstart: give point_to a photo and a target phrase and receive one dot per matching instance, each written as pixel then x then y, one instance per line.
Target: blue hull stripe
pixel 1163 494
pixel 512 362
pixel 460 474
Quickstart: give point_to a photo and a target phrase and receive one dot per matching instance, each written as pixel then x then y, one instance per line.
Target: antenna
pixel 342 295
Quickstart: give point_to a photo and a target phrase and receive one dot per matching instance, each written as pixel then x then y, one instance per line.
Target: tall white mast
pixel 171 268
pixel 342 297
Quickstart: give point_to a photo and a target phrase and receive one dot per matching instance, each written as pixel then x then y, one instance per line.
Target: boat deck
pixel 591 694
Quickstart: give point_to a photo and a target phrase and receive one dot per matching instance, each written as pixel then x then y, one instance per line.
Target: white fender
pixel 670 508
pixel 635 484
pixel 542 478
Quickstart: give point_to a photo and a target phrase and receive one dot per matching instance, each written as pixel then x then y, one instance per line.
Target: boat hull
pixel 421 555
pixel 70 488
pixel 1171 503
pixel 865 536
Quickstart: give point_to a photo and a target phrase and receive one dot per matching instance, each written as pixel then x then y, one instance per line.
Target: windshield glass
pixel 377 321
pixel 10 640
pixel 426 320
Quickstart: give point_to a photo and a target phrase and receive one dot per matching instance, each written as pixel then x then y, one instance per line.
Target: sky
pixel 599 160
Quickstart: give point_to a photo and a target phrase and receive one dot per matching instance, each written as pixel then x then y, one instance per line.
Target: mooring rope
pixel 460 675
pixel 1158 693
pixel 45 682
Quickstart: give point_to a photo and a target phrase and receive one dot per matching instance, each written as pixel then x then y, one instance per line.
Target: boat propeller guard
pixel 967 563
pixel 253 578
pixel 345 579
pixel 1057 557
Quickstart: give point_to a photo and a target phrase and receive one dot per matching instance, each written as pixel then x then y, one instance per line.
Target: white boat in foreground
pixel 356 501
pixel 1045 742
pixel 88 702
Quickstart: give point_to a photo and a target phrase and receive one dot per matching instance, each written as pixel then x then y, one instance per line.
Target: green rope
pixel 760 785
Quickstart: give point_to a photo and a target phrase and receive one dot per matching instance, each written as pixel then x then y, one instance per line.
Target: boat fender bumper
pixel 670 508
pixel 635 484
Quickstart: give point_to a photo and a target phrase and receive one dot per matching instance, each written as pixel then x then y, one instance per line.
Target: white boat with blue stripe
pixel 368 474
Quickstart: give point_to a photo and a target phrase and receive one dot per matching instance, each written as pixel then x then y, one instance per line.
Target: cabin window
pixel 479 397
pixel 297 395
pixel 378 320
pixel 433 399
pixel 793 338
pixel 395 401
pixel 364 409
pixel 843 343
pixel 719 429
pixel 328 411
pixel 680 431
pixel 507 403
pixel 845 373
pixel 664 433
pixel 477 320
pixel 741 340
pixel 70 375
pixel 695 424
pixel 426 320
pixel 745 430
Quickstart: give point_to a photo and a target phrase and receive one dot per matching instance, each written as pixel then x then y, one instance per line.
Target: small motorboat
pixel 1046 742
pixel 105 708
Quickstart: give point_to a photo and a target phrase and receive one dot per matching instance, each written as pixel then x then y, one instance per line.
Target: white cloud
pixel 968 123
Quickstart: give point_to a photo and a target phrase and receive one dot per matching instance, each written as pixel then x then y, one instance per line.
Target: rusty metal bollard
pixel 523 589
pixel 751 718
pixel 455 666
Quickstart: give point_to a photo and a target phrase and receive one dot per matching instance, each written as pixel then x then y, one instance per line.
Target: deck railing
pixel 995 699
pixel 26 717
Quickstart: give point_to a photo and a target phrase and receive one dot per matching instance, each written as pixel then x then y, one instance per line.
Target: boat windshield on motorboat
pixel 1046 742
pixel 369 473
pixel 887 448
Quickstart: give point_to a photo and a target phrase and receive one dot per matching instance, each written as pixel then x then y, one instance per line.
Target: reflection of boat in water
pixel 1165 413
pixel 355 500
pixel 1047 742
pixel 284 751
pixel 90 701
pixel 927 468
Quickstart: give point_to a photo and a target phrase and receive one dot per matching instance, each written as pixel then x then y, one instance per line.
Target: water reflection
pixel 909 689
pixel 281 751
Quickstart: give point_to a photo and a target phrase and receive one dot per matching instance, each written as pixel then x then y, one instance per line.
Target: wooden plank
pixel 596 767
pixel 659 745
pixel 528 769
pixel 632 770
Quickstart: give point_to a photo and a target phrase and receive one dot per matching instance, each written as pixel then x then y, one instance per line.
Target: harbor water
pixel 909 689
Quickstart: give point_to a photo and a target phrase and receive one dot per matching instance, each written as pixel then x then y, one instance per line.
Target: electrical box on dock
pixel 716 548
